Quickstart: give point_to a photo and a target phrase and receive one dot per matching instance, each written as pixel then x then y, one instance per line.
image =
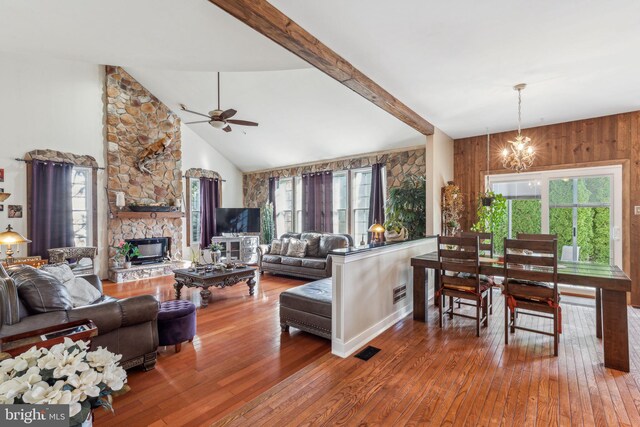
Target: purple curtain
pixel 209 201
pixel 51 213
pixel 273 183
pixel 317 202
pixel 376 198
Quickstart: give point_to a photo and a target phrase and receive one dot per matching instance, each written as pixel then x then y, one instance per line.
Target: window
pixel 340 205
pixel 361 192
pixel 284 206
pixel 194 209
pixel 82 204
pixel 582 206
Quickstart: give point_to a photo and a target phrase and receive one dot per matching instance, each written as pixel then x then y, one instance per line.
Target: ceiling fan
pixel 217 118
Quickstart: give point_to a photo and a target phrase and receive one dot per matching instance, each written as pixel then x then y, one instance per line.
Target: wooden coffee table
pixel 216 278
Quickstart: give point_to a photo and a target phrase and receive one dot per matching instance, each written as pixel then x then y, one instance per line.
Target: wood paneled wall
pixel 603 140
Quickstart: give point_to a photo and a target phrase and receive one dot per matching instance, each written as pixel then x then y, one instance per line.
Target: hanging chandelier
pixel 519 155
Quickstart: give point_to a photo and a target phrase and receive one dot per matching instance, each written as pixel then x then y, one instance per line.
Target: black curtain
pixel 51 224
pixel 273 183
pixel 209 201
pixel 317 202
pixel 376 199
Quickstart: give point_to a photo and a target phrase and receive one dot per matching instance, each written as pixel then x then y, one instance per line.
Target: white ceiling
pixel 452 62
pixel 455 62
pixel 167 34
pixel 303 115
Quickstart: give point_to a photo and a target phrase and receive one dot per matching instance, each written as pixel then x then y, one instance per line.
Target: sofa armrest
pixel 328 266
pixel 140 309
pixel 262 250
pixel 95 281
pixel 107 315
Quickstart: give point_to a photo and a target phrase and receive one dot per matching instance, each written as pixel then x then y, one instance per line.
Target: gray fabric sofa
pixel 316 264
pixel 125 326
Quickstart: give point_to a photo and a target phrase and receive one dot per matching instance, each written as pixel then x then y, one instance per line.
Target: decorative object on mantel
pixel 4 196
pixel 452 206
pixel 67 373
pixel 10 238
pixel 120 202
pixel 407 205
pixel 152 153
pixel 395 231
pixel 520 154
pixel 217 118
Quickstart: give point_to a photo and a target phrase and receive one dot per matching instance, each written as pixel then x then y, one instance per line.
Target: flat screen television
pixel 237 220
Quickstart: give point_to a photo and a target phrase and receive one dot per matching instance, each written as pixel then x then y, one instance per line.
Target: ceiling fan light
pixel 217 124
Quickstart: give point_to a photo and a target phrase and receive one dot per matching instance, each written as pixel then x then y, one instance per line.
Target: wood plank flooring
pixel 237 354
pixel 427 376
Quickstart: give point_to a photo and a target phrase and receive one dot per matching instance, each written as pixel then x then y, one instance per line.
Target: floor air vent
pixel 367 353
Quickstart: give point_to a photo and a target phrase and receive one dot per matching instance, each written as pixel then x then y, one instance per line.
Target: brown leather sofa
pixel 127 326
pixel 316 264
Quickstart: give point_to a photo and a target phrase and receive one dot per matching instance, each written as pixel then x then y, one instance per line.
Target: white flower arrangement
pixel 67 373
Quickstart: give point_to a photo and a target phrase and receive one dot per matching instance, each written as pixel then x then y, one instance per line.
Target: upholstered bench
pixel 308 308
pixel 176 323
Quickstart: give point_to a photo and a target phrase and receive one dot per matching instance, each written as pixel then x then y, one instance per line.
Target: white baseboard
pixel 346 349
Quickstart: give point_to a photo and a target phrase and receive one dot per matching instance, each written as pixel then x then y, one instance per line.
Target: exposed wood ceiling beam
pixel 270 22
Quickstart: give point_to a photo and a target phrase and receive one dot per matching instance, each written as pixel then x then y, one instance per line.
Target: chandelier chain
pixel 519 111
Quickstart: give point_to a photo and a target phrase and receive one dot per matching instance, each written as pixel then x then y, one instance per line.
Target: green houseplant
pixel 490 217
pixel 407 207
pixel 267 226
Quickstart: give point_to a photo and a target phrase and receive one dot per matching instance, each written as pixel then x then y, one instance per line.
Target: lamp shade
pixel 11 237
pixel 376 228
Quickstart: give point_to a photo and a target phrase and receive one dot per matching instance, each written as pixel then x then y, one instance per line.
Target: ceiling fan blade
pixel 242 122
pixel 227 129
pixel 228 114
pixel 184 108
pixel 199 121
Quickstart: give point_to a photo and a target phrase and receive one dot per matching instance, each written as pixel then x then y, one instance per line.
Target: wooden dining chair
pixel 460 255
pixel 531 284
pixel 486 250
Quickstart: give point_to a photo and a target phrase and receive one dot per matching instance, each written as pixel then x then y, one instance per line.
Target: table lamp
pixel 10 238
pixel 376 229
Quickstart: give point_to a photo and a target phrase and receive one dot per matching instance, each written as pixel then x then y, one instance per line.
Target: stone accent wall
pixel 135 120
pixel 256 185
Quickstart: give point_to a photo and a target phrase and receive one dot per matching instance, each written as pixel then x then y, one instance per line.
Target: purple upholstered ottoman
pixel 176 323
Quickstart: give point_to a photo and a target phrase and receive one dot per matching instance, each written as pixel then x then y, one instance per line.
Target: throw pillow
pixel 297 248
pixel 40 291
pixel 80 290
pixel 313 243
pixel 285 246
pixel 276 246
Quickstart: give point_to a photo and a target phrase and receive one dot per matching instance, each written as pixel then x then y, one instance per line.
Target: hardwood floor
pixel 237 354
pixel 427 376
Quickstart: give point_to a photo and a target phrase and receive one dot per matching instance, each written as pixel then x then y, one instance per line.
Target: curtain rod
pixel 53 161
pixel 198 177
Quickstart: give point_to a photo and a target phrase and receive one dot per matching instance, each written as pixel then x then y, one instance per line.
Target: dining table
pixel 611 285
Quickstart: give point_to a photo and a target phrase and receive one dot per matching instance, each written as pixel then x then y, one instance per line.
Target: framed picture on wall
pixel 1 208
pixel 2 177
pixel 15 211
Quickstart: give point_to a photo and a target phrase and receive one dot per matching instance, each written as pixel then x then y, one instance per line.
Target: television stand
pixel 240 248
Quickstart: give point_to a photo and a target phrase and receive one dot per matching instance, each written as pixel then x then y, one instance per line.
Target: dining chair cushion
pixel 483 278
pixel 530 289
pixel 483 287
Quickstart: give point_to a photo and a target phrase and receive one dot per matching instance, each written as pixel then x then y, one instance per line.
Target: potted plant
pixel 490 217
pixel 127 251
pixel 267 226
pixel 216 252
pixel 452 206
pixel 67 373
pixel 395 231
pixel 407 207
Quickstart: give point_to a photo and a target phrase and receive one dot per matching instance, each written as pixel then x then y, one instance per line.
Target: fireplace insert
pixel 152 251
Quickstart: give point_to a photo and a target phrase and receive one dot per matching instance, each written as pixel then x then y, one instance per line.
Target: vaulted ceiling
pixel 454 63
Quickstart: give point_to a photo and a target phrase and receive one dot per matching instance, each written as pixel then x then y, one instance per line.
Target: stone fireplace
pixel 136 121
